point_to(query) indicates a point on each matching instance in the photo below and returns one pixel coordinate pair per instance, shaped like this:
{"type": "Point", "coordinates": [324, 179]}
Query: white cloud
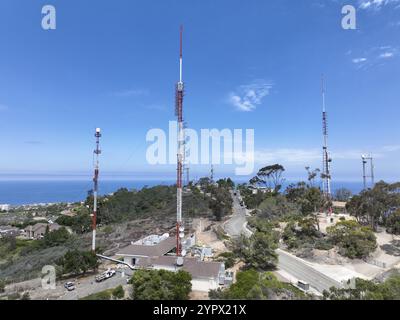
{"type": "Point", "coordinates": [392, 148]}
{"type": "Point", "coordinates": [375, 56]}
{"type": "Point", "coordinates": [313, 156]}
{"type": "Point", "coordinates": [386, 55]}
{"type": "Point", "coordinates": [287, 155]}
{"type": "Point", "coordinates": [131, 93]}
{"type": "Point", "coordinates": [247, 97]}
{"type": "Point", "coordinates": [359, 60]}
{"type": "Point", "coordinates": [376, 4]}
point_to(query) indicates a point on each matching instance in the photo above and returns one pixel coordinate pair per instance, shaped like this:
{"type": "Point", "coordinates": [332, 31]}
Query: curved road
{"type": "Point", "coordinates": [236, 225]}
{"type": "Point", "coordinates": [294, 266]}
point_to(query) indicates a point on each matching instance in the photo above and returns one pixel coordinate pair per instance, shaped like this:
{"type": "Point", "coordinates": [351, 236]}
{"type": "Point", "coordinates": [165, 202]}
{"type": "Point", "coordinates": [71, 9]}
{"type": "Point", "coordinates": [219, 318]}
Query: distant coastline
{"type": "Point", "coordinates": [25, 192]}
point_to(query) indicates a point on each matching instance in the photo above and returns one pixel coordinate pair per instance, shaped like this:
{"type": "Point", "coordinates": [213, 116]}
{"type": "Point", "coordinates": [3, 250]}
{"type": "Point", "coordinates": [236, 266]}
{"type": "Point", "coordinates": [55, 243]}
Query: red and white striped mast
{"type": "Point", "coordinates": [97, 152]}
{"type": "Point", "coordinates": [179, 93]}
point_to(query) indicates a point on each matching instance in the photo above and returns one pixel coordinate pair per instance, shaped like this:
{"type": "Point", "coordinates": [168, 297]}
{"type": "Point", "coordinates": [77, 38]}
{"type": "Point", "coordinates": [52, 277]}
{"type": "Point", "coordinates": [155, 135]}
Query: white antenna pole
{"type": "Point", "coordinates": [97, 152]}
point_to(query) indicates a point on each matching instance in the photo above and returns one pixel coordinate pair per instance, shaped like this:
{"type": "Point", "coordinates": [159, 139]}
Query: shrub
{"type": "Point", "coordinates": [103, 295]}
{"type": "Point", "coordinates": [118, 292]}
{"type": "Point", "coordinates": [2, 286]}
{"type": "Point", "coordinates": [353, 240]}
{"type": "Point", "coordinates": [161, 285]}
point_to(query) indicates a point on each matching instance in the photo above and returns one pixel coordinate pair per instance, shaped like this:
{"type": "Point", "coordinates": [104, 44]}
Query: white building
{"type": "Point", "coordinates": [4, 207]}
{"type": "Point", "coordinates": [160, 256]}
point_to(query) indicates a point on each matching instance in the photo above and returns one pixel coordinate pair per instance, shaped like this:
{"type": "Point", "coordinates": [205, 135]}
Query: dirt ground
{"type": "Point", "coordinates": [197, 295]}
{"type": "Point", "coordinates": [206, 236]}
{"type": "Point", "coordinates": [385, 257]}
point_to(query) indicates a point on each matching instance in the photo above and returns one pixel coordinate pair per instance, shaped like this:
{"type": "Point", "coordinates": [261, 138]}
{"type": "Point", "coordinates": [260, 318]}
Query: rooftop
{"type": "Point", "coordinates": [197, 268]}
{"type": "Point", "coordinates": [159, 249]}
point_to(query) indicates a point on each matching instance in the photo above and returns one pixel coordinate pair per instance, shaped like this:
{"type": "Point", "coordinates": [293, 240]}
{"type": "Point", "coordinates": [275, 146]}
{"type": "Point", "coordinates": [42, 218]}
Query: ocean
{"type": "Point", "coordinates": [19, 192]}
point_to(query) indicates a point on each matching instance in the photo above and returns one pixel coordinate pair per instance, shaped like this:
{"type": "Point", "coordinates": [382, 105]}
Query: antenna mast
{"type": "Point", "coordinates": [365, 159]}
{"type": "Point", "coordinates": [97, 152]}
{"type": "Point", "coordinates": [326, 172]}
{"type": "Point", "coordinates": [179, 93]}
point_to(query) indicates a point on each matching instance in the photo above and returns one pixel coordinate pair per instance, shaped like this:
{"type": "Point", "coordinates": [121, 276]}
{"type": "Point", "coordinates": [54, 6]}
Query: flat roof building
{"type": "Point", "coordinates": [161, 256]}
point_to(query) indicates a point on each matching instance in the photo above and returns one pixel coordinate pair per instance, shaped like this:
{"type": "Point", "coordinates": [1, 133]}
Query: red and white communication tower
{"type": "Point", "coordinates": [97, 152]}
{"type": "Point", "coordinates": [179, 93]}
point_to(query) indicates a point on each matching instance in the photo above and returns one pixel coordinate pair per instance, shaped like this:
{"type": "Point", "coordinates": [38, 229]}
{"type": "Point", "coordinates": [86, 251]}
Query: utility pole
{"type": "Point", "coordinates": [97, 152]}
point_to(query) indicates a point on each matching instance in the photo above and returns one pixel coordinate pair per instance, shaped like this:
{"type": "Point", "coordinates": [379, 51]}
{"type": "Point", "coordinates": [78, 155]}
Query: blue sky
{"type": "Point", "coordinates": [113, 64]}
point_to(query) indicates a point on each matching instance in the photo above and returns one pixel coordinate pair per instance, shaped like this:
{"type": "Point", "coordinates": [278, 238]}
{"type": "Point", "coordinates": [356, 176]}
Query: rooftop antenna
{"type": "Point", "coordinates": [97, 152]}
{"type": "Point", "coordinates": [179, 93]}
{"type": "Point", "coordinates": [326, 172]}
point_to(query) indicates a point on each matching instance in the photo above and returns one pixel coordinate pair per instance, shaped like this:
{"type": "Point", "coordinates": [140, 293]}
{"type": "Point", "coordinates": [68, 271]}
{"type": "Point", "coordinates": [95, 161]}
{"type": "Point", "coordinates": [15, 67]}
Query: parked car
{"type": "Point", "coordinates": [105, 275]}
{"type": "Point", "coordinates": [70, 286]}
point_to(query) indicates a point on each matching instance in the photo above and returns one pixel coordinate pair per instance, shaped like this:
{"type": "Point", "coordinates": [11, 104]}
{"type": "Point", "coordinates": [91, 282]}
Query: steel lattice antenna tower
{"type": "Point", "coordinates": [326, 172]}
{"type": "Point", "coordinates": [185, 169]}
{"type": "Point", "coordinates": [365, 159]}
{"type": "Point", "coordinates": [179, 93]}
{"type": "Point", "coordinates": [97, 152]}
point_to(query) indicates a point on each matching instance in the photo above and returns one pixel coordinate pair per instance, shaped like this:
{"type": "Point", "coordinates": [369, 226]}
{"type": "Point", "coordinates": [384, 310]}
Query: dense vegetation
{"type": "Point", "coordinates": [161, 285]}
{"type": "Point", "coordinates": [77, 262]}
{"type": "Point", "coordinates": [378, 206]}
{"type": "Point", "coordinates": [352, 239]}
{"type": "Point", "coordinates": [252, 285]}
{"type": "Point", "coordinates": [258, 251]}
{"type": "Point", "coordinates": [303, 234]}
{"type": "Point", "coordinates": [160, 202]}
{"type": "Point", "coordinates": [116, 293]}
{"type": "Point", "coordinates": [368, 290]}
{"type": "Point", "coordinates": [297, 209]}
{"type": "Point", "coordinates": [81, 223]}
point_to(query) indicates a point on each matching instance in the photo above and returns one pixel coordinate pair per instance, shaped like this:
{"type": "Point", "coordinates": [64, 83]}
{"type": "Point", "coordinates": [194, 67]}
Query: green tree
{"type": "Point", "coordinates": [312, 174]}
{"type": "Point", "coordinates": [343, 194]}
{"type": "Point", "coordinates": [393, 222]}
{"type": "Point", "coordinates": [252, 285]}
{"type": "Point", "coordinates": [373, 205]}
{"type": "Point", "coordinates": [2, 285]}
{"type": "Point", "coordinates": [56, 237]}
{"type": "Point", "coordinates": [78, 262]}
{"type": "Point", "coordinates": [353, 240]}
{"type": "Point", "coordinates": [271, 177]}
{"type": "Point", "coordinates": [258, 251]}
{"type": "Point", "coordinates": [367, 290]}
{"type": "Point", "coordinates": [161, 285]}
{"type": "Point", "coordinates": [221, 202]}
{"type": "Point", "coordinates": [118, 292]}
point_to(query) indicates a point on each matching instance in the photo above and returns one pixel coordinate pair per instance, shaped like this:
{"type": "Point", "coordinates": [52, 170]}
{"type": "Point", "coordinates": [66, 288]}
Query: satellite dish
{"type": "Point", "coordinates": [181, 235]}
{"type": "Point", "coordinates": [181, 229]}
{"type": "Point", "coordinates": [179, 261]}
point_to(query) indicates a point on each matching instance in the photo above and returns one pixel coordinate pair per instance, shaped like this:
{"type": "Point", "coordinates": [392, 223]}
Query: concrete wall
{"type": "Point", "coordinates": [204, 285]}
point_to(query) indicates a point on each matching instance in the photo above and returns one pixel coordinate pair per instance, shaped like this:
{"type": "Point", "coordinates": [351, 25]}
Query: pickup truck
{"type": "Point", "coordinates": [70, 286]}
{"type": "Point", "coordinates": [105, 275]}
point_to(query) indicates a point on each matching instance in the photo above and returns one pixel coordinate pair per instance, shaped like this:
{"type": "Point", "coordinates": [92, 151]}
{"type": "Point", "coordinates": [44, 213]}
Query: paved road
{"type": "Point", "coordinates": [89, 286]}
{"type": "Point", "coordinates": [302, 271]}
{"type": "Point", "coordinates": [235, 226]}
{"type": "Point", "coordinates": [296, 267]}
{"type": "Point", "coordinates": [84, 287]}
